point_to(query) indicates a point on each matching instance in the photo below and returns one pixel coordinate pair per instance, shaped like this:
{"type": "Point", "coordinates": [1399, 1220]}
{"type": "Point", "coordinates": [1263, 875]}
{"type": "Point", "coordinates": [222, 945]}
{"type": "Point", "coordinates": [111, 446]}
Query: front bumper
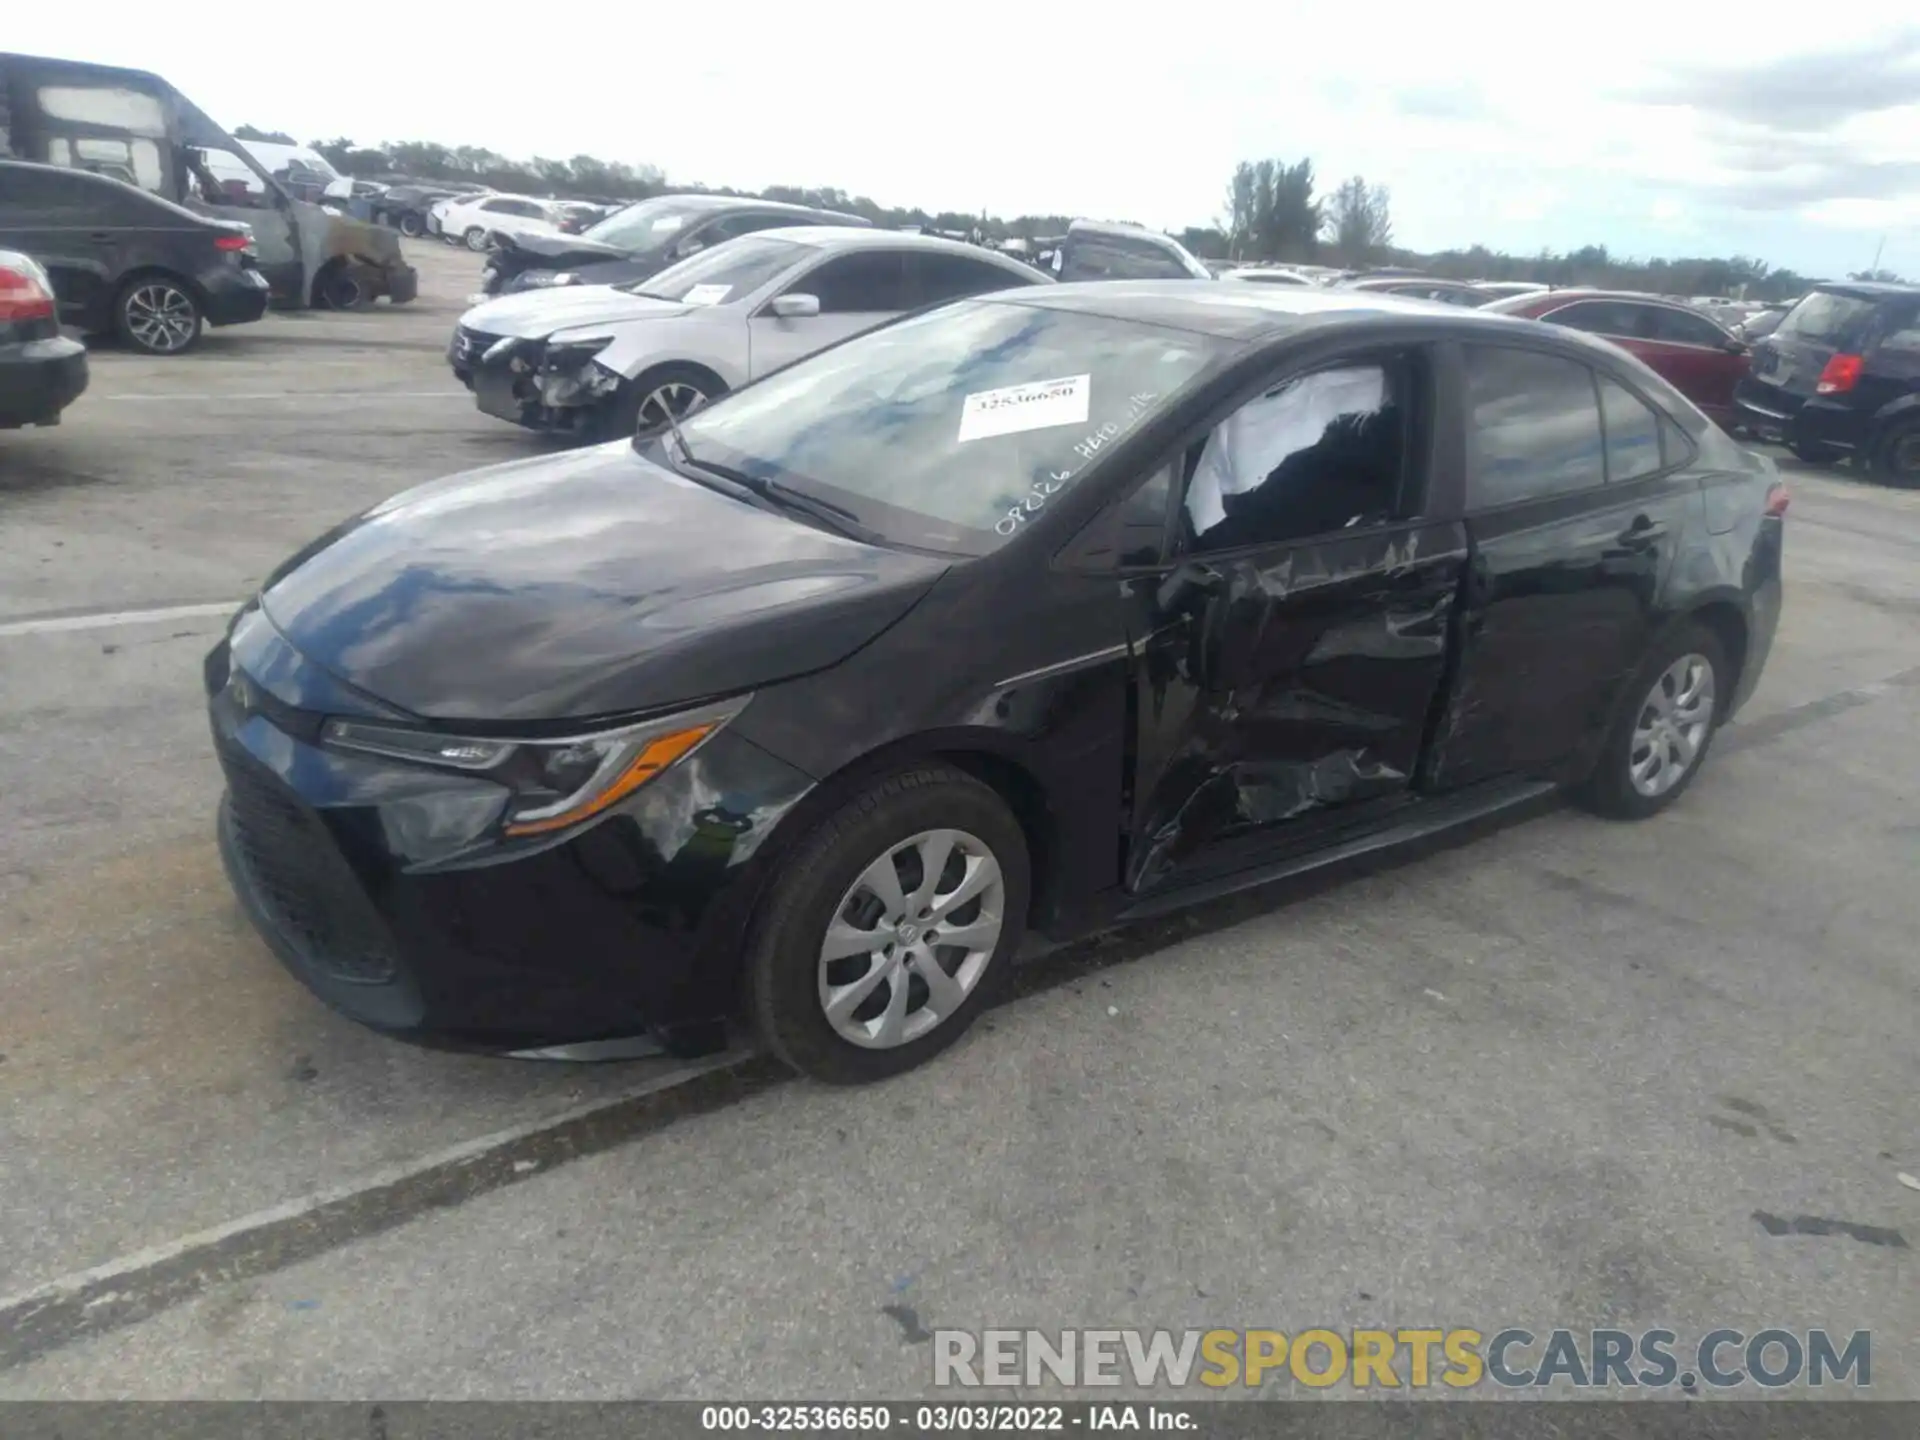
{"type": "Point", "coordinates": [384, 888]}
{"type": "Point", "coordinates": [530, 385]}
{"type": "Point", "coordinates": [39, 379]}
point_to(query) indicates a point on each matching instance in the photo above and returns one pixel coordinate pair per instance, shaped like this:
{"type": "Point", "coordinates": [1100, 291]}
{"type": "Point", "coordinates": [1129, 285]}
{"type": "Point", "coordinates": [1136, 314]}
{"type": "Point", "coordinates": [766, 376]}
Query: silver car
{"type": "Point", "coordinates": [606, 361]}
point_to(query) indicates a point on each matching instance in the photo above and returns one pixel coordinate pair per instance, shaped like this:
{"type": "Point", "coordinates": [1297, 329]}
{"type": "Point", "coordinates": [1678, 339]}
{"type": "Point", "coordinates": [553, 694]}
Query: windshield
{"type": "Point", "coordinates": [952, 430]}
{"type": "Point", "coordinates": [726, 272]}
{"type": "Point", "coordinates": [647, 225]}
{"type": "Point", "coordinates": [1826, 319]}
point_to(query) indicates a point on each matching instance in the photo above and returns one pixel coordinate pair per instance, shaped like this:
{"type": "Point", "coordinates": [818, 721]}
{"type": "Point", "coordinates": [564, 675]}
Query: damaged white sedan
{"type": "Point", "coordinates": [606, 361]}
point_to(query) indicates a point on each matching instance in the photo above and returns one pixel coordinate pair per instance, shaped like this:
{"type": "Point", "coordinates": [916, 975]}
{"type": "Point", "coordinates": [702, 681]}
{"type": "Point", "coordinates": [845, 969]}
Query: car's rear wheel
{"type": "Point", "coordinates": [1660, 738]}
{"type": "Point", "coordinates": [158, 316]}
{"type": "Point", "coordinates": [476, 237]}
{"type": "Point", "coordinates": [411, 226]}
{"type": "Point", "coordinates": [1896, 459]}
{"type": "Point", "coordinates": [891, 928]}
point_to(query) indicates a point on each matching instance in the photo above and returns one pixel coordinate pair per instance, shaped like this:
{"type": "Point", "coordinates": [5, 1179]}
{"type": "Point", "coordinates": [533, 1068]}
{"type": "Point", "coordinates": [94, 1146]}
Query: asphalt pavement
{"type": "Point", "coordinates": [1547, 1078]}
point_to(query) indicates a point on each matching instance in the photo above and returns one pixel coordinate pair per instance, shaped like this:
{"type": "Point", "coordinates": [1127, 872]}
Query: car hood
{"type": "Point", "coordinates": [570, 587]}
{"type": "Point", "coordinates": [560, 251]}
{"type": "Point", "coordinates": [535, 314]}
{"type": "Point", "coordinates": [607, 272]}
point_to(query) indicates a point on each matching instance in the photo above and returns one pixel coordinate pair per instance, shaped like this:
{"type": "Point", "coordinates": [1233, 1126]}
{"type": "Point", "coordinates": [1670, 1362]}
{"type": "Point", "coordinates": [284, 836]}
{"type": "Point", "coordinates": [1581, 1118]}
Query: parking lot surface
{"type": "Point", "coordinates": [1548, 1078]}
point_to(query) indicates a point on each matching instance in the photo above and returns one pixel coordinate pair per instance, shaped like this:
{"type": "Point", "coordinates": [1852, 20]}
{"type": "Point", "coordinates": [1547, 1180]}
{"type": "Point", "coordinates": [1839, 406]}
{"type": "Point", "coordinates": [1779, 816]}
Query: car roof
{"type": "Point", "coordinates": [848, 237]}
{"type": "Point", "coordinates": [713, 204]}
{"type": "Point", "coordinates": [1868, 289]}
{"type": "Point", "coordinates": [1233, 311]}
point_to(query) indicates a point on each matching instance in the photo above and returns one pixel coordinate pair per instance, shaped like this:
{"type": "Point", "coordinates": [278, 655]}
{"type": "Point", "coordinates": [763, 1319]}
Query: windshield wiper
{"type": "Point", "coordinates": [834, 517]}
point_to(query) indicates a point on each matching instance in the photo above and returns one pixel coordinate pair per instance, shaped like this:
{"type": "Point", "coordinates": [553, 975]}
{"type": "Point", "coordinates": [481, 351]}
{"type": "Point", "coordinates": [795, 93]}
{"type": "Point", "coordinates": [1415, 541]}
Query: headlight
{"type": "Point", "coordinates": [540, 279]}
{"type": "Point", "coordinates": [556, 783]}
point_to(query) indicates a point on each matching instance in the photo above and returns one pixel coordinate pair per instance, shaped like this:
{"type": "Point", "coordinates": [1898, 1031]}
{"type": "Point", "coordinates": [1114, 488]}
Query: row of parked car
{"type": "Point", "coordinates": [677, 300]}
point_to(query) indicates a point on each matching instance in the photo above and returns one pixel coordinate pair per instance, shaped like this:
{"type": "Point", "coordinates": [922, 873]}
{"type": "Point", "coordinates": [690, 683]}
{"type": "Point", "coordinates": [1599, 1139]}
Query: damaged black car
{"type": "Point", "coordinates": [639, 241]}
{"type": "Point", "coordinates": [1043, 611]}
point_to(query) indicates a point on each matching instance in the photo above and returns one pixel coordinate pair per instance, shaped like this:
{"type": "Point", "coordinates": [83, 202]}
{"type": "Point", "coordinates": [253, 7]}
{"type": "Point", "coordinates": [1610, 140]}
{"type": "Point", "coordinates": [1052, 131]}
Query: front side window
{"type": "Point", "coordinates": [863, 282]}
{"type": "Point", "coordinates": [1317, 454]}
{"type": "Point", "coordinates": [955, 429]}
{"type": "Point", "coordinates": [1602, 317]}
{"type": "Point", "coordinates": [1677, 327]}
{"type": "Point", "coordinates": [1633, 433]}
{"type": "Point", "coordinates": [726, 272]}
{"type": "Point", "coordinates": [1533, 426]}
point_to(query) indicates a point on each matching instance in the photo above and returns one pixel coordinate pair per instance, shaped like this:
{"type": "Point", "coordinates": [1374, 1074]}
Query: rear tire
{"type": "Point", "coordinates": [848, 1012]}
{"type": "Point", "coordinates": [476, 238]}
{"type": "Point", "coordinates": [1896, 458]}
{"type": "Point", "coordinates": [1661, 736]}
{"type": "Point", "coordinates": [411, 226]}
{"type": "Point", "coordinates": [158, 315]}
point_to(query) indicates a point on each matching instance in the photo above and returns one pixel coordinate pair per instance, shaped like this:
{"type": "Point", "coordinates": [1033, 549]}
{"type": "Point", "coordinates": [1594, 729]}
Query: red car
{"type": "Point", "coordinates": [1694, 355]}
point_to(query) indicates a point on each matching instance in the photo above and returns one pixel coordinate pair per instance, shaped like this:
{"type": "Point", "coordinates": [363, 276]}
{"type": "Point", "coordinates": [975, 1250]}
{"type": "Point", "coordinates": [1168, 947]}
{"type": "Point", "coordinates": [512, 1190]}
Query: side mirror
{"type": "Point", "coordinates": [794, 307]}
{"type": "Point", "coordinates": [1736, 346]}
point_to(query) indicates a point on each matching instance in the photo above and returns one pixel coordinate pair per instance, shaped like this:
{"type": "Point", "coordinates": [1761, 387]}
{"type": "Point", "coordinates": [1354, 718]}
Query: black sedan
{"type": "Point", "coordinates": [1040, 611]}
{"type": "Point", "coordinates": [41, 372]}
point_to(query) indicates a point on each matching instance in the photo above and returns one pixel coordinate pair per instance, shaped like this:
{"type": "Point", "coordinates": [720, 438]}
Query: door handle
{"type": "Point", "coordinates": [101, 237]}
{"type": "Point", "coordinates": [1638, 536]}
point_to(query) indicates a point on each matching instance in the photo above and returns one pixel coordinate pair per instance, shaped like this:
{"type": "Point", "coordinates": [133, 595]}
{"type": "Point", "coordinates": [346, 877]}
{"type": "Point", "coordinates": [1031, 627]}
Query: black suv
{"type": "Point", "coordinates": [125, 261]}
{"type": "Point", "coordinates": [1841, 376]}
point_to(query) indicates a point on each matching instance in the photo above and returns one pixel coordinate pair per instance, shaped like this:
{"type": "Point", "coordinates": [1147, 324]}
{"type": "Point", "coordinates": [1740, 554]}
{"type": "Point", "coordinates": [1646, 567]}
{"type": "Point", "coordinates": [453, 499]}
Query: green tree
{"type": "Point", "coordinates": [1359, 223]}
{"type": "Point", "coordinates": [271, 137]}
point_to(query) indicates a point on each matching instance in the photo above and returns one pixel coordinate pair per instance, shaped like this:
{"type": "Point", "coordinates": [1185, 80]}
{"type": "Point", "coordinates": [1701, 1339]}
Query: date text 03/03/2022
{"type": "Point", "coordinates": [996, 1418]}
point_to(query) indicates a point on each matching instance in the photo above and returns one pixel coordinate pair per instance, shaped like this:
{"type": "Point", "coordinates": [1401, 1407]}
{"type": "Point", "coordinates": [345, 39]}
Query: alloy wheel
{"type": "Point", "coordinates": [677, 398]}
{"type": "Point", "coordinates": [161, 318]}
{"type": "Point", "coordinates": [911, 939]}
{"type": "Point", "coordinates": [1672, 726]}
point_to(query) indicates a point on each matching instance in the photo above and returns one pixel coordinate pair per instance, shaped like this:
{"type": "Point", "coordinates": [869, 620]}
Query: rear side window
{"type": "Point", "coordinates": [1828, 319]}
{"type": "Point", "coordinates": [1605, 317]}
{"type": "Point", "coordinates": [1633, 433]}
{"type": "Point", "coordinates": [1533, 426]}
{"type": "Point", "coordinates": [45, 195]}
{"type": "Point", "coordinates": [934, 279]}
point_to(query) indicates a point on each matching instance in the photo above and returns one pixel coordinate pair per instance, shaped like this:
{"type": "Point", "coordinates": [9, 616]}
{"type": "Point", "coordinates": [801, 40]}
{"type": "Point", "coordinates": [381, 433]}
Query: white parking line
{"type": "Point", "coordinates": [55, 624]}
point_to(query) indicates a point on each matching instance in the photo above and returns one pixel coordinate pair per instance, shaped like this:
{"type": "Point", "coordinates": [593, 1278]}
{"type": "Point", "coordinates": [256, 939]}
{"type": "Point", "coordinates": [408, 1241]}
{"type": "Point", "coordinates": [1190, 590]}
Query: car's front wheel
{"type": "Point", "coordinates": [411, 225]}
{"type": "Point", "coordinates": [891, 927]}
{"type": "Point", "coordinates": [1660, 738]}
{"type": "Point", "coordinates": [644, 403]}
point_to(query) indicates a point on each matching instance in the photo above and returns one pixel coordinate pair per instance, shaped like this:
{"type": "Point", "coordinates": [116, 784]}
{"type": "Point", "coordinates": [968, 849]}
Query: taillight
{"type": "Point", "coordinates": [23, 296]}
{"type": "Point", "coordinates": [1841, 372]}
{"type": "Point", "coordinates": [1777, 499]}
{"type": "Point", "coordinates": [232, 242]}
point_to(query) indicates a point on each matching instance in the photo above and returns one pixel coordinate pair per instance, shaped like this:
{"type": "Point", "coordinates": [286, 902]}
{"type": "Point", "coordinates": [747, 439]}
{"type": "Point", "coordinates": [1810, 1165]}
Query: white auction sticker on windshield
{"type": "Point", "coordinates": [1037, 405]}
{"type": "Point", "coordinates": [707, 294]}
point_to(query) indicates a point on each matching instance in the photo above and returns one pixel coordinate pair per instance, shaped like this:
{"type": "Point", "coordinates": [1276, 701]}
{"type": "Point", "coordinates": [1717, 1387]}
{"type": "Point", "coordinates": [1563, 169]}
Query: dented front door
{"type": "Point", "coordinates": [1284, 688]}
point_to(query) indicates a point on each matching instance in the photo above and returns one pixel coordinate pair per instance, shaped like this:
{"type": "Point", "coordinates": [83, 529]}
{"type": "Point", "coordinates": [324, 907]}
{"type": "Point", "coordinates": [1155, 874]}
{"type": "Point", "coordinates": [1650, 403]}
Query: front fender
{"type": "Point", "coordinates": [640, 345]}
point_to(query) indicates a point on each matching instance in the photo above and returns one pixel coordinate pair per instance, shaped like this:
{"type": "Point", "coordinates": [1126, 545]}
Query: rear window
{"type": "Point", "coordinates": [1828, 319]}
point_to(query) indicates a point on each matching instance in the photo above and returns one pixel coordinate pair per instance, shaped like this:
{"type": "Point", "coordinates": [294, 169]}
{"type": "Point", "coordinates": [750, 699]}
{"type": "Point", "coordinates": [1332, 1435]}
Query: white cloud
{"type": "Point", "coordinates": [1485, 123]}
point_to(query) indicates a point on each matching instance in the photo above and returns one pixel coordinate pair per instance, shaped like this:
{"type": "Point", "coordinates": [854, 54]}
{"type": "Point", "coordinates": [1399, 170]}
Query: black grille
{"type": "Point", "coordinates": [301, 880]}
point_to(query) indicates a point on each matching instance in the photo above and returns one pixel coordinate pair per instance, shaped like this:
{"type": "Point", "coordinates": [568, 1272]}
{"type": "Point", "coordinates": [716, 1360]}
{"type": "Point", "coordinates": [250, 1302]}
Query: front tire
{"type": "Point", "coordinates": [641, 406]}
{"type": "Point", "coordinates": [158, 316]}
{"type": "Point", "coordinates": [891, 927]}
{"type": "Point", "coordinates": [411, 225]}
{"type": "Point", "coordinates": [1660, 739]}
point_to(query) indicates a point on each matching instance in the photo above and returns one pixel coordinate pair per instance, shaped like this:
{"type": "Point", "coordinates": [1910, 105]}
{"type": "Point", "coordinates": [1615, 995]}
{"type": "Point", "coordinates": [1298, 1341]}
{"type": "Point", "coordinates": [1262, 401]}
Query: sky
{"type": "Point", "coordinates": [1654, 129]}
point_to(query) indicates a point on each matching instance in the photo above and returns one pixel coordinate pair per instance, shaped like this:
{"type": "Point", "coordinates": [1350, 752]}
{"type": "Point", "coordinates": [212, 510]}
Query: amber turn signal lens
{"type": "Point", "coordinates": [655, 756]}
